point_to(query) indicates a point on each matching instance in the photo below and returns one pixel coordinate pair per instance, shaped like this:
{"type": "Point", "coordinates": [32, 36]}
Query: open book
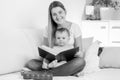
{"type": "Point", "coordinates": [49, 53]}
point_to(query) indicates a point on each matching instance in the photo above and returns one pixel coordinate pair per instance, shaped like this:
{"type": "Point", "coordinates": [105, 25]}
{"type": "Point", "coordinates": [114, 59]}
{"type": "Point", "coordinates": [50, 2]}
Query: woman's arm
{"type": "Point", "coordinates": [78, 43]}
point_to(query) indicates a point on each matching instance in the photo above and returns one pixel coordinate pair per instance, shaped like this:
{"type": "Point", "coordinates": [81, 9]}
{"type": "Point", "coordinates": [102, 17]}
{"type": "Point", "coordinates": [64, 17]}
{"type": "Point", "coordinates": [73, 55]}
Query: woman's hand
{"type": "Point", "coordinates": [45, 65]}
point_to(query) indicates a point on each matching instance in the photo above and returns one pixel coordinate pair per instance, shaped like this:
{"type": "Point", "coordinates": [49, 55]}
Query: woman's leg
{"type": "Point", "coordinates": [34, 65]}
{"type": "Point", "coordinates": [69, 68]}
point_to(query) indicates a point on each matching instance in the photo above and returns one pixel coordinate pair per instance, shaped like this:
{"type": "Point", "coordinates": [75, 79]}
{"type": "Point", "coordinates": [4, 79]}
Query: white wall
{"type": "Point", "coordinates": [34, 13]}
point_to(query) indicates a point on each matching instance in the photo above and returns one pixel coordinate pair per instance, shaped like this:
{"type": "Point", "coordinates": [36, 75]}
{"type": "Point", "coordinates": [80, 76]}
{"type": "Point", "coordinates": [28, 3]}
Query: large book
{"type": "Point", "coordinates": [51, 55]}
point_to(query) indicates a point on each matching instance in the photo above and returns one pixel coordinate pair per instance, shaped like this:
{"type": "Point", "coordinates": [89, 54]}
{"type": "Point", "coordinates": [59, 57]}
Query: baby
{"type": "Point", "coordinates": [62, 36]}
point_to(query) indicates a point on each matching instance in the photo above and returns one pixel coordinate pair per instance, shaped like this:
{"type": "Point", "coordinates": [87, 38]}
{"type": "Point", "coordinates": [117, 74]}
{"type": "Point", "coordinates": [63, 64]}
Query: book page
{"type": "Point", "coordinates": [48, 49]}
{"type": "Point", "coordinates": [56, 50]}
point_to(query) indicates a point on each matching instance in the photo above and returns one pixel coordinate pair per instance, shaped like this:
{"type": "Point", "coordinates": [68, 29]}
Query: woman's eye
{"type": "Point", "coordinates": [60, 12]}
{"type": "Point", "coordinates": [54, 14]}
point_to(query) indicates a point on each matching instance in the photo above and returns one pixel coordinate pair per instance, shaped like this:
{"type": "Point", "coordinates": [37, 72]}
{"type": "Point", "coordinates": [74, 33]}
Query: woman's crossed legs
{"type": "Point", "coordinates": [67, 69]}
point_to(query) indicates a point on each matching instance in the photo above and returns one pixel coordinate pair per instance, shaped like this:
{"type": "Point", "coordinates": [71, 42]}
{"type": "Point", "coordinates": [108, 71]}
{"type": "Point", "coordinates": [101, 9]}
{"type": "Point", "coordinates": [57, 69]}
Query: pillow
{"type": "Point", "coordinates": [110, 57]}
{"type": "Point", "coordinates": [92, 59]}
{"type": "Point", "coordinates": [86, 42]}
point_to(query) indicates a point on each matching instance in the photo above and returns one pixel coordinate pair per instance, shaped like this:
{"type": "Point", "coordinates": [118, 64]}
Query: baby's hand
{"type": "Point", "coordinates": [60, 63]}
{"type": "Point", "coordinates": [52, 64]}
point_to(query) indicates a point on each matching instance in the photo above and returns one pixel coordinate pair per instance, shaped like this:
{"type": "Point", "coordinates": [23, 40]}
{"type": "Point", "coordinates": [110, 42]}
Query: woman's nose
{"type": "Point", "coordinates": [58, 16]}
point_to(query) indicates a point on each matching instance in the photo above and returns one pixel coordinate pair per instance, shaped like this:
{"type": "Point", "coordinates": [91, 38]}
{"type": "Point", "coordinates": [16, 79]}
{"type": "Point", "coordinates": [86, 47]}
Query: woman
{"type": "Point", "coordinates": [57, 19]}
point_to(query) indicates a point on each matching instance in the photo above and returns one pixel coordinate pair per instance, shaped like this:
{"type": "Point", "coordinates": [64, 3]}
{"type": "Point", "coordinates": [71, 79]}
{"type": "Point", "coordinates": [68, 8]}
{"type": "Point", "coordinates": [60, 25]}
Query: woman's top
{"type": "Point", "coordinates": [74, 33]}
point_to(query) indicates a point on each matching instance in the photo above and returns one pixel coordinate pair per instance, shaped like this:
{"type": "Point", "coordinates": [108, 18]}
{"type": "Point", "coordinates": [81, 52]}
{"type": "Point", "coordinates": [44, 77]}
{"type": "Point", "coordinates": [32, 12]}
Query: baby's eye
{"type": "Point", "coordinates": [63, 37]}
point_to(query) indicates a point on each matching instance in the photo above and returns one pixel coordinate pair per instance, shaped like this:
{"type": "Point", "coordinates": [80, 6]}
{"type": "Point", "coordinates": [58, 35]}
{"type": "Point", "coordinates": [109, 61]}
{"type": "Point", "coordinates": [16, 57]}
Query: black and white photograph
{"type": "Point", "coordinates": [59, 39]}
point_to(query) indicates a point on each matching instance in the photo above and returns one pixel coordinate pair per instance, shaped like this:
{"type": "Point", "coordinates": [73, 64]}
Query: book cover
{"type": "Point", "coordinates": [49, 54]}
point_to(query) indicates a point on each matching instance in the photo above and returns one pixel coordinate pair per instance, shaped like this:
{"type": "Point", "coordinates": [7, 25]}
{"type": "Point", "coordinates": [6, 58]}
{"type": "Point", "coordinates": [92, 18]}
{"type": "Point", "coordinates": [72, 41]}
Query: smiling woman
{"type": "Point", "coordinates": [56, 20]}
{"type": "Point", "coordinates": [58, 15]}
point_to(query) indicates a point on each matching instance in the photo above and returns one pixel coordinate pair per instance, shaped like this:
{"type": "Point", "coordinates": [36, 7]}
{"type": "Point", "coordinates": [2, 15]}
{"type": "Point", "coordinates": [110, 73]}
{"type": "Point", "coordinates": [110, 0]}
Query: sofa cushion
{"type": "Point", "coordinates": [92, 59]}
{"type": "Point", "coordinates": [110, 57]}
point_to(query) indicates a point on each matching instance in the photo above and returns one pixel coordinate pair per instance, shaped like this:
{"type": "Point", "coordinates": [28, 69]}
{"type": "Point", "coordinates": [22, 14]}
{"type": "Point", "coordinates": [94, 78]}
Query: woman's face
{"type": "Point", "coordinates": [58, 15]}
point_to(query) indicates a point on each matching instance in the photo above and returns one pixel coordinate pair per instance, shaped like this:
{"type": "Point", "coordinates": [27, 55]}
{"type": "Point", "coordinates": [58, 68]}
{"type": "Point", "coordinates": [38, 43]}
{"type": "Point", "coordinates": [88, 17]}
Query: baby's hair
{"type": "Point", "coordinates": [62, 30]}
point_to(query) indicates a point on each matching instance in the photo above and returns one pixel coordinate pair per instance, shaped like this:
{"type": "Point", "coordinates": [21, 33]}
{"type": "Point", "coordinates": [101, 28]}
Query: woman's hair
{"type": "Point", "coordinates": [52, 26]}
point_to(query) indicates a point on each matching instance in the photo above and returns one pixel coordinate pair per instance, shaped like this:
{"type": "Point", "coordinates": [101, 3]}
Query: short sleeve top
{"type": "Point", "coordinates": [75, 32]}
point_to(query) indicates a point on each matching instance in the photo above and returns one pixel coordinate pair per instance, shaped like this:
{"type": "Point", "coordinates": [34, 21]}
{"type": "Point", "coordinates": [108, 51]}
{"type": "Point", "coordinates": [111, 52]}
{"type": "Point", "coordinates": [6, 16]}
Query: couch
{"type": "Point", "coordinates": [19, 45]}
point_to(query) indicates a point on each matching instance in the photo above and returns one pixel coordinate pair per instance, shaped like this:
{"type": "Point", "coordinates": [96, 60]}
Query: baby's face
{"type": "Point", "coordinates": [62, 38]}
